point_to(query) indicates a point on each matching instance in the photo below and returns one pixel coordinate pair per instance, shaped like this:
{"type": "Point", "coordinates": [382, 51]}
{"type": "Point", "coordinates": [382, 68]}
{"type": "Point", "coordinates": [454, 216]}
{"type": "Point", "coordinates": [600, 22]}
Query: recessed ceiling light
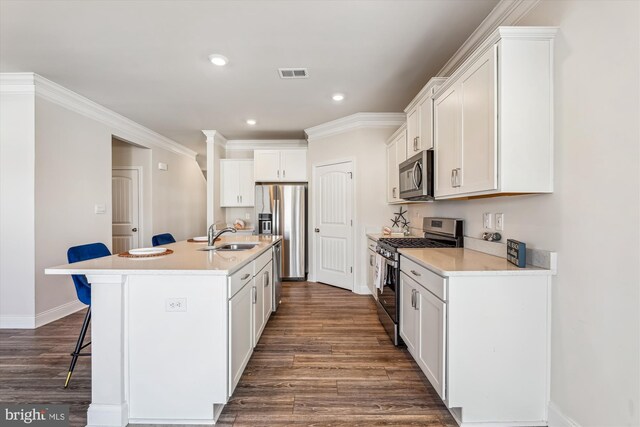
{"type": "Point", "coordinates": [338, 97]}
{"type": "Point", "coordinates": [251, 122]}
{"type": "Point", "coordinates": [218, 60]}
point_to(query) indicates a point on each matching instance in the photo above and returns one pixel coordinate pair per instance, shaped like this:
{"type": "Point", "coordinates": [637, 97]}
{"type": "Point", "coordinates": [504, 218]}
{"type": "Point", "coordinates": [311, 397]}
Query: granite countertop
{"type": "Point", "coordinates": [186, 259]}
{"type": "Point", "coordinates": [466, 262]}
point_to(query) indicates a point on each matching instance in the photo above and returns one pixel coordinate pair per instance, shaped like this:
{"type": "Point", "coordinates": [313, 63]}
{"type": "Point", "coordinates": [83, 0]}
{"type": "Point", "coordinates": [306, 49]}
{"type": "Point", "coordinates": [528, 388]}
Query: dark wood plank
{"type": "Point", "coordinates": [323, 360]}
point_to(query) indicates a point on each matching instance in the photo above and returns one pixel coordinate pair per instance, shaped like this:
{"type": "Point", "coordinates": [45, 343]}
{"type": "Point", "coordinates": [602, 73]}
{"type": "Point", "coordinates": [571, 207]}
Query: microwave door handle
{"type": "Point", "coordinates": [417, 175]}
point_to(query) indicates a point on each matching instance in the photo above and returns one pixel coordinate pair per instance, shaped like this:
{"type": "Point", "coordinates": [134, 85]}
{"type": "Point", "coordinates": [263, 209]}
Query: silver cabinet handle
{"type": "Point", "coordinates": [415, 273]}
{"type": "Point", "coordinates": [393, 192]}
{"type": "Point", "coordinates": [417, 142]}
{"type": "Point", "coordinates": [278, 173]}
{"type": "Point", "coordinates": [254, 295]}
{"type": "Point", "coordinates": [246, 276]}
{"type": "Point", "coordinates": [371, 260]}
{"type": "Point", "coordinates": [453, 182]}
{"type": "Point", "coordinates": [413, 298]}
{"type": "Point", "coordinates": [240, 199]}
{"type": "Point", "coordinates": [284, 173]}
{"type": "Point", "coordinates": [266, 273]}
{"type": "Point", "coordinates": [459, 177]}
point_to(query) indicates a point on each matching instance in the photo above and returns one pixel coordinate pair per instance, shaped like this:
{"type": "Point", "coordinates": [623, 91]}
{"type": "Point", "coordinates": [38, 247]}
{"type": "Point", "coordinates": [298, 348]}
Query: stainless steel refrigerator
{"type": "Point", "coordinates": [282, 209]}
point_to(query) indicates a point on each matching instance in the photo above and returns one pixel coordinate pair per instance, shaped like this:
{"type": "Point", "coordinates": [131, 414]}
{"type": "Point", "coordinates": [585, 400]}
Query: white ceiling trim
{"type": "Point", "coordinates": [215, 136]}
{"type": "Point", "coordinates": [355, 121]}
{"type": "Point", "coordinates": [506, 13]}
{"type": "Point", "coordinates": [265, 144]}
{"type": "Point", "coordinates": [122, 126]}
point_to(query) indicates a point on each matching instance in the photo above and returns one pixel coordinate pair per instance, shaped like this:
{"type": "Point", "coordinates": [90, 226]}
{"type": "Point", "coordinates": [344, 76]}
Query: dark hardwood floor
{"type": "Point", "coordinates": [323, 359]}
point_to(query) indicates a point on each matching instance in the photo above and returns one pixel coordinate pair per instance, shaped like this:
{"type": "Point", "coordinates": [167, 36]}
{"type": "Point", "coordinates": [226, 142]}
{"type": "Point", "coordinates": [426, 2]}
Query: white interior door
{"type": "Point", "coordinates": [125, 203]}
{"type": "Point", "coordinates": [333, 200]}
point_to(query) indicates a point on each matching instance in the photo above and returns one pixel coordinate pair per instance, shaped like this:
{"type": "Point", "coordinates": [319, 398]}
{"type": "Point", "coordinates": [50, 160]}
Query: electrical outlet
{"type": "Point", "coordinates": [487, 220]}
{"type": "Point", "coordinates": [175, 304]}
{"type": "Point", "coordinates": [499, 221]}
{"type": "Point", "coordinates": [247, 215]}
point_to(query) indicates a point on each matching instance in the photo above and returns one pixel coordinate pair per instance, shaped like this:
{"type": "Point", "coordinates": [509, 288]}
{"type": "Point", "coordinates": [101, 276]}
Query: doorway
{"type": "Point", "coordinates": [125, 204]}
{"type": "Point", "coordinates": [333, 224]}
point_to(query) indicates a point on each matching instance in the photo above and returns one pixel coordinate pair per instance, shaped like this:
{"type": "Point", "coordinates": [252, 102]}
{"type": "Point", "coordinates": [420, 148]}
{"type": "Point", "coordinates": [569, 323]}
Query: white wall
{"type": "Point", "coordinates": [367, 148]}
{"type": "Point", "coordinates": [17, 242]}
{"type": "Point", "coordinates": [56, 166]}
{"type": "Point", "coordinates": [592, 218]}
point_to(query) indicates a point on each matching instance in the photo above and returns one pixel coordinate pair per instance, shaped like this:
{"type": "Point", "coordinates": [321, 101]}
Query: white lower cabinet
{"type": "Point", "coordinates": [482, 341]}
{"type": "Point", "coordinates": [240, 333]}
{"type": "Point", "coordinates": [249, 310]}
{"type": "Point", "coordinates": [262, 300]}
{"type": "Point", "coordinates": [423, 329]}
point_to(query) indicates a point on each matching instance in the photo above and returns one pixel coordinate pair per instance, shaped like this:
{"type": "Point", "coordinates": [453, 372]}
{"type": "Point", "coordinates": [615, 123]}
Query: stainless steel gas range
{"type": "Point", "coordinates": [438, 233]}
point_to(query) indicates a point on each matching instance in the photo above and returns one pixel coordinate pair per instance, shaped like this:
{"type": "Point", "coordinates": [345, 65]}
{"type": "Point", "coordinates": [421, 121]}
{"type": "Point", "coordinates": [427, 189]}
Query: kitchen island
{"type": "Point", "coordinates": [171, 335]}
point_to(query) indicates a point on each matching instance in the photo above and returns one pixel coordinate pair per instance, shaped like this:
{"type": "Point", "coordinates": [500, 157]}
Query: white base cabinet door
{"type": "Point", "coordinates": [408, 314]}
{"type": "Point", "coordinates": [240, 333]}
{"type": "Point", "coordinates": [431, 341]}
{"type": "Point", "coordinates": [264, 300]}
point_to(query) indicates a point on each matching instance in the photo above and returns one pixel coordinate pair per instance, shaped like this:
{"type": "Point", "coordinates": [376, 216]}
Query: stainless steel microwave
{"type": "Point", "coordinates": [416, 177]}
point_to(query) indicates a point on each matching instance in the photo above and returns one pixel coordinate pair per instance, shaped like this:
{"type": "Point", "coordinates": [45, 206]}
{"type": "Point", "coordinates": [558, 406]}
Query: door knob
{"type": "Point", "coordinates": [317, 230]}
{"type": "Point", "coordinates": [135, 230]}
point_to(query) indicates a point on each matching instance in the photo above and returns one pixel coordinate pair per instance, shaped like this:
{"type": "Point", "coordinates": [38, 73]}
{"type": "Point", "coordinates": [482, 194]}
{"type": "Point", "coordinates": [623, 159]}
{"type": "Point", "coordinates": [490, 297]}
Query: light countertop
{"type": "Point", "coordinates": [466, 262]}
{"type": "Point", "coordinates": [186, 259]}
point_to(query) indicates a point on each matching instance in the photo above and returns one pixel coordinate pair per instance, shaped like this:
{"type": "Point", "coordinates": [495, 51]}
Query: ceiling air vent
{"type": "Point", "coordinates": [293, 73]}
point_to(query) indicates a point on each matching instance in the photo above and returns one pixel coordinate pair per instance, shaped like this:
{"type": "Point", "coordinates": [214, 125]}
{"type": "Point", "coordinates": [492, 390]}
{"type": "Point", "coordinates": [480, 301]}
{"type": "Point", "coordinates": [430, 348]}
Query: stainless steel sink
{"type": "Point", "coordinates": [230, 247]}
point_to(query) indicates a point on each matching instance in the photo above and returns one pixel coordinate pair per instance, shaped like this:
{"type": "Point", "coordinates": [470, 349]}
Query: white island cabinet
{"type": "Point", "coordinates": [478, 327]}
{"type": "Point", "coordinates": [171, 335]}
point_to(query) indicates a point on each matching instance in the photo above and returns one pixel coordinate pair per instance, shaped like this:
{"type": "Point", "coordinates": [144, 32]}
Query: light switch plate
{"type": "Point", "coordinates": [175, 304]}
{"type": "Point", "coordinates": [499, 221]}
{"type": "Point", "coordinates": [100, 209]}
{"type": "Point", "coordinates": [163, 166]}
{"type": "Point", "coordinates": [487, 220]}
{"type": "Point", "coordinates": [247, 215]}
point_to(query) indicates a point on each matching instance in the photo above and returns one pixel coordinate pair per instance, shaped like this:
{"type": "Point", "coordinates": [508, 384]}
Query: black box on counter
{"type": "Point", "coordinates": [517, 253]}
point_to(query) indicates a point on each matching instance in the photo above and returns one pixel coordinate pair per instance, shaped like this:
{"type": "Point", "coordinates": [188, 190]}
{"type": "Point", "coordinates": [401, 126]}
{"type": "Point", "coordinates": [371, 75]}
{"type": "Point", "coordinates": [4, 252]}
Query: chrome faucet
{"type": "Point", "coordinates": [211, 237]}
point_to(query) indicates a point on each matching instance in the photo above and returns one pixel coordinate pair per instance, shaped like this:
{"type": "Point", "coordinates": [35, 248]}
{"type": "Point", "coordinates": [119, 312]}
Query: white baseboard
{"type": "Point", "coordinates": [361, 290]}
{"type": "Point", "coordinates": [58, 312]}
{"type": "Point", "coordinates": [17, 322]}
{"type": "Point", "coordinates": [558, 419]}
{"type": "Point", "coordinates": [108, 415]}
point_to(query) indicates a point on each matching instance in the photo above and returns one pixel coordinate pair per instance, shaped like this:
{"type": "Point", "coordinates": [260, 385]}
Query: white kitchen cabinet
{"type": "Point", "coordinates": [481, 339]}
{"type": "Point", "coordinates": [493, 131]}
{"type": "Point", "coordinates": [420, 118]}
{"type": "Point", "coordinates": [240, 332]}
{"type": "Point", "coordinates": [236, 183]}
{"type": "Point", "coordinates": [371, 267]}
{"type": "Point", "coordinates": [280, 165]}
{"type": "Point", "coordinates": [262, 300]}
{"type": "Point", "coordinates": [431, 338]}
{"type": "Point", "coordinates": [423, 329]}
{"type": "Point", "coordinates": [396, 154]}
{"type": "Point", "coordinates": [409, 316]}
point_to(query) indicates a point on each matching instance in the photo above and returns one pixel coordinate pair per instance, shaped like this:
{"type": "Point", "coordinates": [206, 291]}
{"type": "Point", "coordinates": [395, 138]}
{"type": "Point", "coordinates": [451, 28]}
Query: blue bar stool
{"type": "Point", "coordinates": [162, 239]}
{"type": "Point", "coordinates": [83, 290]}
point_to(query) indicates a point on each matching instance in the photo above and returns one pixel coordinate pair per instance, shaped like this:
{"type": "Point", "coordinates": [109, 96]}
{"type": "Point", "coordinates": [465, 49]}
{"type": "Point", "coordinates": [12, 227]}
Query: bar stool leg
{"type": "Point", "coordinates": [79, 346]}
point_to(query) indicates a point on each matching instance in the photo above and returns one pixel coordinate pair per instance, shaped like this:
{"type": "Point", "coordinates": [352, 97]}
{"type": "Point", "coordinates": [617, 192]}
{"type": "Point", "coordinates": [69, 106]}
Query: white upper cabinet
{"type": "Point", "coordinates": [420, 118]}
{"type": "Point", "coordinates": [396, 154]}
{"type": "Point", "coordinates": [236, 183]}
{"type": "Point", "coordinates": [493, 130]}
{"type": "Point", "coordinates": [280, 165]}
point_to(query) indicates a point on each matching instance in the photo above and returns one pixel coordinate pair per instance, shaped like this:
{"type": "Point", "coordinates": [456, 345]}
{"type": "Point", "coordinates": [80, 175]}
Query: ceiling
{"type": "Point", "coordinates": [147, 60]}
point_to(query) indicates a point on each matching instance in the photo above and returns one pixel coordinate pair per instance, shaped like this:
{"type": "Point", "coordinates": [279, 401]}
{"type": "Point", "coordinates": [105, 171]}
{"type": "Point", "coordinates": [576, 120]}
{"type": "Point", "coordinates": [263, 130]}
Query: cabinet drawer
{"type": "Point", "coordinates": [426, 278]}
{"type": "Point", "coordinates": [262, 260]}
{"type": "Point", "coordinates": [240, 278]}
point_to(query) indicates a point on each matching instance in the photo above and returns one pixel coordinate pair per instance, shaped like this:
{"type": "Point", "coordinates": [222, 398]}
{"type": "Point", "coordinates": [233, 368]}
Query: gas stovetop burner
{"type": "Point", "coordinates": [416, 242]}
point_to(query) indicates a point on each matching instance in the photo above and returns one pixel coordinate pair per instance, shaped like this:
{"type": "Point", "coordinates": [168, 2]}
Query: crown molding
{"type": "Point", "coordinates": [215, 137]}
{"type": "Point", "coordinates": [121, 126]}
{"type": "Point", "coordinates": [353, 122]}
{"type": "Point", "coordinates": [265, 144]}
{"type": "Point", "coordinates": [427, 90]}
{"type": "Point", "coordinates": [529, 33]}
{"type": "Point", "coordinates": [507, 12]}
